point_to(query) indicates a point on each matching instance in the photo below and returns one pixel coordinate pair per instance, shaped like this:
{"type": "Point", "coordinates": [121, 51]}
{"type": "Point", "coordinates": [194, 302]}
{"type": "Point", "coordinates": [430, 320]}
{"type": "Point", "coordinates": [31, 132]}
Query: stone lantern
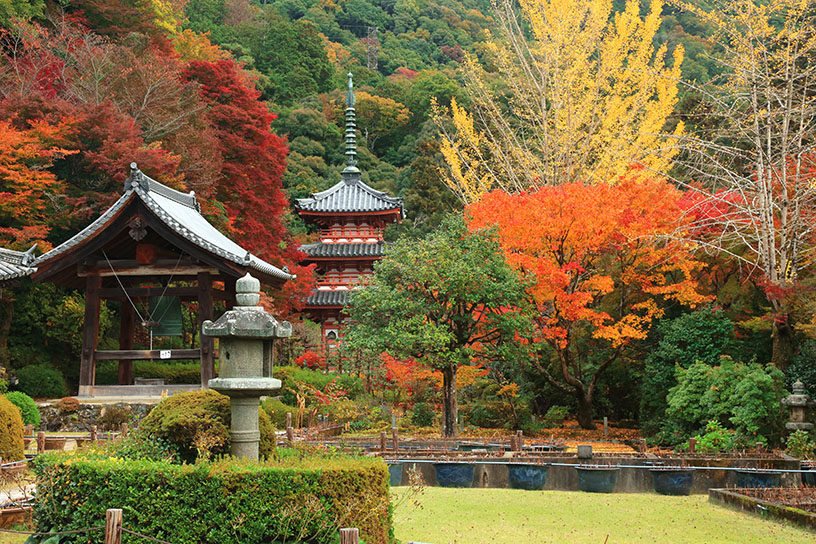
{"type": "Point", "coordinates": [246, 333]}
{"type": "Point", "coordinates": [799, 404]}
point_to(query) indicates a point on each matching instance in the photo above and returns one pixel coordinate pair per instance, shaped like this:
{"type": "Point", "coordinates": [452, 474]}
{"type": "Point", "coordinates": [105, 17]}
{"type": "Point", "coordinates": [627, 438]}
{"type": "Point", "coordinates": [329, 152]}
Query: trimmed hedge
{"type": "Point", "coordinates": [11, 431]}
{"type": "Point", "coordinates": [28, 408]}
{"type": "Point", "coordinates": [293, 500]}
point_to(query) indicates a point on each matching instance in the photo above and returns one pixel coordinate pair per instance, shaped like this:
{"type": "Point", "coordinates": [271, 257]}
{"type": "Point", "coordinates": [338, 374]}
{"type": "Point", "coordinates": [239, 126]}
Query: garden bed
{"type": "Point", "coordinates": [796, 505]}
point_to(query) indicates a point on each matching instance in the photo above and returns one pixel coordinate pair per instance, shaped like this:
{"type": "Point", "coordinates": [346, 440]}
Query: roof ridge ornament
{"type": "Point", "coordinates": [136, 179]}
{"type": "Point", "coordinates": [29, 257]}
{"type": "Point", "coordinates": [351, 174]}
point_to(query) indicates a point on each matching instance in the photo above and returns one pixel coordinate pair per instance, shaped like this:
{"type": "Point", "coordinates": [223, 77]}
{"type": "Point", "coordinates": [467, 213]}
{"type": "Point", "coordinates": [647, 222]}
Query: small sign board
{"type": "Point", "coordinates": [165, 354]}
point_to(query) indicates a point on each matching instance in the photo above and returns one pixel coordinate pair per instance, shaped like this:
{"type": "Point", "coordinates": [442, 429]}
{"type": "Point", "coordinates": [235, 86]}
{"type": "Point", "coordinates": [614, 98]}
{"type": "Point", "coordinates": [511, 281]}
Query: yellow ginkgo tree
{"type": "Point", "coordinates": [569, 91]}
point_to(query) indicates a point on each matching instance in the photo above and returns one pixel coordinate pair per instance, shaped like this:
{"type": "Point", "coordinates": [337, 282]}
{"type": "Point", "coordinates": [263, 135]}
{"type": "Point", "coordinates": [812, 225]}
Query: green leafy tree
{"type": "Point", "coordinates": [290, 54]}
{"type": "Point", "coordinates": [702, 335]}
{"type": "Point", "coordinates": [21, 9]}
{"type": "Point", "coordinates": [743, 397]}
{"type": "Point", "coordinates": [446, 300]}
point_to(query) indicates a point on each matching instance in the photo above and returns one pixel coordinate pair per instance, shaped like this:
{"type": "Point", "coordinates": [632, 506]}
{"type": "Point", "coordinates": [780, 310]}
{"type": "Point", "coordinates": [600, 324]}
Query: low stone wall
{"type": "Point", "coordinates": [629, 480]}
{"type": "Point", "coordinates": [762, 508]}
{"type": "Point", "coordinates": [101, 415]}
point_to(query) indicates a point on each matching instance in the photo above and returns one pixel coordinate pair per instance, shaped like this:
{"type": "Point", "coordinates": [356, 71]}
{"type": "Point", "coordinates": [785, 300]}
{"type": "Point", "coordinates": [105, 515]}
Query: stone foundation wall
{"type": "Point", "coordinates": [104, 416]}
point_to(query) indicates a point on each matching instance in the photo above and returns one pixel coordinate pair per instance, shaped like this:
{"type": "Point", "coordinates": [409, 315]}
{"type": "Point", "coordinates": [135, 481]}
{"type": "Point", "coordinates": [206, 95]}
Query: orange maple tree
{"type": "Point", "coordinates": [601, 259]}
{"type": "Point", "coordinates": [27, 189]}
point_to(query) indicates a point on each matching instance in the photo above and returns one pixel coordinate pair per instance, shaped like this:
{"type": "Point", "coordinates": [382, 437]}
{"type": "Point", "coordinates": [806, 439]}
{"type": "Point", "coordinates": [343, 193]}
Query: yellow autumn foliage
{"type": "Point", "coordinates": [584, 99]}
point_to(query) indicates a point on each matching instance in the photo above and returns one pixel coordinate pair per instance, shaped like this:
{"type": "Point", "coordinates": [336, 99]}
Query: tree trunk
{"type": "Point", "coordinates": [584, 410]}
{"type": "Point", "coordinates": [782, 334]}
{"type": "Point", "coordinates": [6, 315]}
{"type": "Point", "coordinates": [450, 403]}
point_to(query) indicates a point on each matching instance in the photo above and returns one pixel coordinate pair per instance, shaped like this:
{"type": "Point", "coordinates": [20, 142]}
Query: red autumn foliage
{"type": "Point", "coordinates": [253, 162]}
{"type": "Point", "coordinates": [310, 360]}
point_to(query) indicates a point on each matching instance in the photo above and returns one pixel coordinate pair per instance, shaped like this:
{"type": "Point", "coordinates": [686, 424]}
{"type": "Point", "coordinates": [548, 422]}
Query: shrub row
{"type": "Point", "coordinates": [293, 499]}
{"type": "Point", "coordinates": [172, 372]}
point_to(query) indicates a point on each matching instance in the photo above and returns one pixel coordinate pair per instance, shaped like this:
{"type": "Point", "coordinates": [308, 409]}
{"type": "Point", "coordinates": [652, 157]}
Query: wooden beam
{"type": "Point", "coordinates": [90, 331]}
{"type": "Point", "coordinates": [148, 270]}
{"type": "Point", "coordinates": [189, 293]}
{"type": "Point", "coordinates": [207, 343]}
{"type": "Point", "coordinates": [145, 354]}
{"type": "Point", "coordinates": [126, 330]}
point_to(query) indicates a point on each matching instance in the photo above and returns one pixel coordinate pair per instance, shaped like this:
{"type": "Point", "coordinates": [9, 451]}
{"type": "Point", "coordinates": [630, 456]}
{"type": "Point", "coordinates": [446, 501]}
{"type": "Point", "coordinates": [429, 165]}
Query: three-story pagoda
{"type": "Point", "coordinates": [351, 217]}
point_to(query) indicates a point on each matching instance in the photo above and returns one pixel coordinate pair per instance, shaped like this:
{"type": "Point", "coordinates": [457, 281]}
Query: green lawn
{"type": "Point", "coordinates": [481, 516]}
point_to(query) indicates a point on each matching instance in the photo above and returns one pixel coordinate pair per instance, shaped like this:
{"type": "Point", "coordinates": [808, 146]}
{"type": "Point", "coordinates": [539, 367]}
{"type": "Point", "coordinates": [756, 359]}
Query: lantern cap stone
{"type": "Point", "coordinates": [248, 291]}
{"type": "Point", "coordinates": [799, 397]}
{"type": "Point", "coordinates": [247, 319]}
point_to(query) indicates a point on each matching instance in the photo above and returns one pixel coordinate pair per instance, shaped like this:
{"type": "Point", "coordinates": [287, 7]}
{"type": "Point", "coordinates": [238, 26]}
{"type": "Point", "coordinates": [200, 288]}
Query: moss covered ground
{"type": "Point", "coordinates": [482, 516]}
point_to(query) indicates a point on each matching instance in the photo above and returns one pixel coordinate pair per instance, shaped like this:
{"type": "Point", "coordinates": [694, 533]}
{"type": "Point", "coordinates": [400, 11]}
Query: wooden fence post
{"type": "Point", "coordinates": [290, 432]}
{"type": "Point", "coordinates": [349, 536]}
{"type": "Point", "coordinates": [93, 433]}
{"type": "Point", "coordinates": [382, 441]}
{"type": "Point", "coordinates": [395, 439]}
{"type": "Point", "coordinates": [123, 432]}
{"type": "Point", "coordinates": [113, 526]}
{"type": "Point", "coordinates": [40, 442]}
{"type": "Point", "coordinates": [520, 440]}
{"type": "Point", "coordinates": [692, 444]}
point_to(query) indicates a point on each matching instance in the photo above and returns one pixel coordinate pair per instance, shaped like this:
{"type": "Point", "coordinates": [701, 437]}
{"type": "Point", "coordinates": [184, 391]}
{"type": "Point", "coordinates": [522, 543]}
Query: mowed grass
{"type": "Point", "coordinates": [510, 516]}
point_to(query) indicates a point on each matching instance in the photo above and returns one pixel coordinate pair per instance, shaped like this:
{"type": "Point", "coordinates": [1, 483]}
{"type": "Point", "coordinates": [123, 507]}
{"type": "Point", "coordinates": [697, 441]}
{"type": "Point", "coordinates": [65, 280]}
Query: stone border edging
{"type": "Point", "coordinates": [763, 508]}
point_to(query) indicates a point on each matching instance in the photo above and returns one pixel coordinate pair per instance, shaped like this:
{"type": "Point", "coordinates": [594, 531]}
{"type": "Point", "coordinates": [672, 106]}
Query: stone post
{"type": "Point", "coordinates": [245, 372]}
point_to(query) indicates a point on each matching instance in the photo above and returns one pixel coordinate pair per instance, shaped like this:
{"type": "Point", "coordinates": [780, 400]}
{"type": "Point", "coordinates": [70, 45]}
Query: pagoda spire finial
{"type": "Point", "coordinates": [351, 172]}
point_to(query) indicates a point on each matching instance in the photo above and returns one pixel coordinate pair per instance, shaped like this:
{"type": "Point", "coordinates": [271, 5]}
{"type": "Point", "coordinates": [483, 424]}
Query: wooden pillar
{"type": "Point", "coordinates": [205, 312]}
{"type": "Point", "coordinates": [126, 331]}
{"type": "Point", "coordinates": [229, 291]}
{"type": "Point", "coordinates": [90, 335]}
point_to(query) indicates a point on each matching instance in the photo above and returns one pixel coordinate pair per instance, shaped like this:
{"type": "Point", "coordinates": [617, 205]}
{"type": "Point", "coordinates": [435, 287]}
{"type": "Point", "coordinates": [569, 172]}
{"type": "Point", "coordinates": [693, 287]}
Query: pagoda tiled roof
{"type": "Point", "coordinates": [327, 298]}
{"type": "Point", "coordinates": [341, 249]}
{"type": "Point", "coordinates": [181, 213]}
{"type": "Point", "coordinates": [16, 264]}
{"type": "Point", "coordinates": [351, 195]}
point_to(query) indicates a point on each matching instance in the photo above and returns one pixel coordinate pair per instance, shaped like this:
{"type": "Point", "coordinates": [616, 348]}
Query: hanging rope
{"type": "Point", "coordinates": [145, 322]}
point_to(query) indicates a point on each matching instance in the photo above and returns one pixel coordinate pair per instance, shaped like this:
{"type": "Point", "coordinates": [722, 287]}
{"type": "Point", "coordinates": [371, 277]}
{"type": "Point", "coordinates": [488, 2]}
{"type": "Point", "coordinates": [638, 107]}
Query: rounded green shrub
{"type": "Point", "coordinates": [194, 422]}
{"type": "Point", "coordinates": [268, 442]}
{"type": "Point", "coordinates": [276, 410]}
{"type": "Point", "coordinates": [41, 382]}
{"type": "Point", "coordinates": [11, 431]}
{"type": "Point", "coordinates": [28, 408]}
{"type": "Point", "coordinates": [197, 424]}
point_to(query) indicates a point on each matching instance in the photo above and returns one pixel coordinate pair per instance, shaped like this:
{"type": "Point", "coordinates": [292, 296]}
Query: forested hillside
{"type": "Point", "coordinates": [189, 89]}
